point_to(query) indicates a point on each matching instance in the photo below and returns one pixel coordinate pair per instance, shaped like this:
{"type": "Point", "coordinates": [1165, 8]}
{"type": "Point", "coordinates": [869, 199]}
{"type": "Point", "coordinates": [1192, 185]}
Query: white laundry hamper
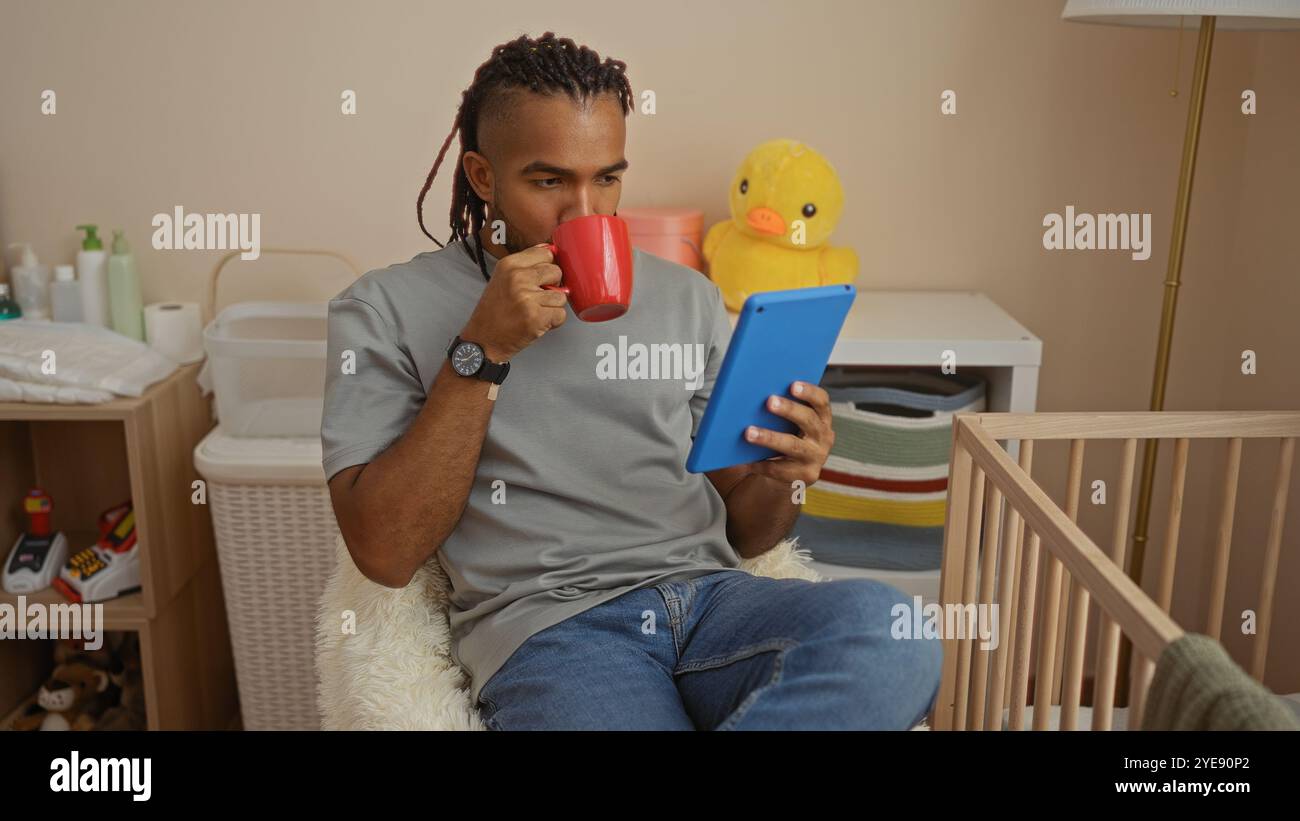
{"type": "Point", "coordinates": [271, 512]}
{"type": "Point", "coordinates": [276, 535]}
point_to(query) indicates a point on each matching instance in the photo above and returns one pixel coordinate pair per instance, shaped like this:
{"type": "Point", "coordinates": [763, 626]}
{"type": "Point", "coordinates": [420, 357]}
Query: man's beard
{"type": "Point", "coordinates": [514, 241]}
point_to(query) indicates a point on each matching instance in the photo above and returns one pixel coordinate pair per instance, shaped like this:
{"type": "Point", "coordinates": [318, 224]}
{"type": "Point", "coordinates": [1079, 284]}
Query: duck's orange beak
{"type": "Point", "coordinates": [765, 221]}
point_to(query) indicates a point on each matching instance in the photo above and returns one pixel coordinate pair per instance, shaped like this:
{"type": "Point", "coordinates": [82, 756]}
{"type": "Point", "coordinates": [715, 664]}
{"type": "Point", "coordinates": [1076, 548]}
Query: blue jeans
{"type": "Point", "coordinates": [722, 651]}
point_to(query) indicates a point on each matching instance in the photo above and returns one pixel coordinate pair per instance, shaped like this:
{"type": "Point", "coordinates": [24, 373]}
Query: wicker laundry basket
{"type": "Point", "coordinates": [276, 534]}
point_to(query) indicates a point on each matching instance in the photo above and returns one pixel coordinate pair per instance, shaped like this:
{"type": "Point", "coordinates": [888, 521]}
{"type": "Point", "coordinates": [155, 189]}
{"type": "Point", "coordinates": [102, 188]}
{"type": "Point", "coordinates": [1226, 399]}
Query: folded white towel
{"type": "Point", "coordinates": [74, 362]}
{"type": "Point", "coordinates": [12, 390]}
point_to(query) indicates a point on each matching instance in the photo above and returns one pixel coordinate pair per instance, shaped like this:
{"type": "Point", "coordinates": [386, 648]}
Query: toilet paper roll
{"type": "Point", "coordinates": [174, 330]}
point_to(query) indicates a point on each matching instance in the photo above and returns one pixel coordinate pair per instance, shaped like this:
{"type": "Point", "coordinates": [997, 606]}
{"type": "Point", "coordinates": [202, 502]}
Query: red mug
{"type": "Point", "coordinates": [595, 257]}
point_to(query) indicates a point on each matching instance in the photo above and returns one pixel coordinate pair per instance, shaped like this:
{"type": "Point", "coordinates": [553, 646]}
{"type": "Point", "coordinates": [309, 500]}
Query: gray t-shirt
{"type": "Point", "coordinates": [581, 492]}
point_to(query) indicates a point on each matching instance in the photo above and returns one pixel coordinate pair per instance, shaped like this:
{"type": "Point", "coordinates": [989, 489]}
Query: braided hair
{"type": "Point", "coordinates": [544, 66]}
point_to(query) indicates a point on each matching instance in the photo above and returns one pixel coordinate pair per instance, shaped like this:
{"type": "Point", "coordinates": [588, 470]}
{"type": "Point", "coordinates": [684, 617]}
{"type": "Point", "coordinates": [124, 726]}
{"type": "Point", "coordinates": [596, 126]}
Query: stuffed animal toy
{"type": "Point", "coordinates": [129, 714]}
{"type": "Point", "coordinates": [67, 651]}
{"type": "Point", "coordinates": [62, 701]}
{"type": "Point", "coordinates": [104, 657]}
{"type": "Point", "coordinates": [785, 201]}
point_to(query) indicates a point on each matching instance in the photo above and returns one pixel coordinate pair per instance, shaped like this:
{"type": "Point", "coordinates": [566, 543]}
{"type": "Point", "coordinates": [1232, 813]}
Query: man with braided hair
{"type": "Point", "coordinates": [596, 583]}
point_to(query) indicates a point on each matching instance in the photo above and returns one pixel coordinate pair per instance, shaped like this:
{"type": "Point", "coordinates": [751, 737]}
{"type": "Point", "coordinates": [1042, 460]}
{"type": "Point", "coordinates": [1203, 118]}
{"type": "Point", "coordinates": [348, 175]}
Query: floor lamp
{"type": "Point", "coordinates": [1229, 15]}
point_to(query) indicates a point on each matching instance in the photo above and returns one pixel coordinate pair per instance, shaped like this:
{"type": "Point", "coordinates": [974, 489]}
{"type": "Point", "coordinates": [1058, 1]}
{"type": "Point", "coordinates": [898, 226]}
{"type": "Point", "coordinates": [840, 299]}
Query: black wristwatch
{"type": "Point", "coordinates": [467, 359]}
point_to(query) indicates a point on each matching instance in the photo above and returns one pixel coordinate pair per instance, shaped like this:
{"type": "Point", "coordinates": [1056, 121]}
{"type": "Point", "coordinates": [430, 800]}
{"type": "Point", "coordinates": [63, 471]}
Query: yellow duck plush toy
{"type": "Point", "coordinates": [785, 201]}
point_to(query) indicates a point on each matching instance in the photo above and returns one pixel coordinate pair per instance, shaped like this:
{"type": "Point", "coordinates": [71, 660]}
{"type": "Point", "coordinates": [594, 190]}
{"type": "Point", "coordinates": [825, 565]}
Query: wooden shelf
{"type": "Point", "coordinates": [119, 408]}
{"type": "Point", "coordinates": [90, 458]}
{"type": "Point", "coordinates": [122, 613]}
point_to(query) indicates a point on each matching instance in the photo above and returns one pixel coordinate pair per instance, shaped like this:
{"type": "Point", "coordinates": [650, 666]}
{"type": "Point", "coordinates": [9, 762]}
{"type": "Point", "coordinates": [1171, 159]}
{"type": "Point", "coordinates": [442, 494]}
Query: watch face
{"type": "Point", "coordinates": [467, 358]}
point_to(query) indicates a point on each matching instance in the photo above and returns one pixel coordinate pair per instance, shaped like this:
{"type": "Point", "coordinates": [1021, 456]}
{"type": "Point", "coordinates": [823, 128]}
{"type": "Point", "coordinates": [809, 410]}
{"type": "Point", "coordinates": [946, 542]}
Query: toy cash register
{"type": "Point", "coordinates": [108, 568]}
{"type": "Point", "coordinates": [39, 553]}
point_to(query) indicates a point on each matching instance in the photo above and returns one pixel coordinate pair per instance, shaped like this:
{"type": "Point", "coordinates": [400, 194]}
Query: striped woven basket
{"type": "Point", "coordinates": [881, 498]}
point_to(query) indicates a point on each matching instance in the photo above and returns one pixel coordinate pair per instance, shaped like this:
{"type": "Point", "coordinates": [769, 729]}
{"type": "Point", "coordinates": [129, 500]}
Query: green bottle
{"type": "Point", "coordinates": [8, 308]}
{"type": "Point", "coordinates": [126, 310]}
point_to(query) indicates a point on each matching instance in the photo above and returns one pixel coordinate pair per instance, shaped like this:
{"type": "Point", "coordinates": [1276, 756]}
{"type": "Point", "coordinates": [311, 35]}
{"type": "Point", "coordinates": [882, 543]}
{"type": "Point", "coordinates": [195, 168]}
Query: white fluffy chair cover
{"type": "Point", "coordinates": [395, 672]}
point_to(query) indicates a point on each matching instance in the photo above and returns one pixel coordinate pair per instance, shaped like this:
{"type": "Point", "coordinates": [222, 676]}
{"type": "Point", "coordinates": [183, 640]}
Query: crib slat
{"type": "Point", "coordinates": [1050, 647]}
{"type": "Point", "coordinates": [1272, 552]}
{"type": "Point", "coordinates": [988, 563]}
{"type": "Point", "coordinates": [1103, 691]}
{"type": "Point", "coordinates": [1009, 600]}
{"type": "Point", "coordinates": [1047, 643]}
{"type": "Point", "coordinates": [1168, 557]}
{"type": "Point", "coordinates": [1073, 666]}
{"type": "Point", "coordinates": [1062, 619]}
{"type": "Point", "coordinates": [998, 667]}
{"type": "Point", "coordinates": [1018, 555]}
{"type": "Point", "coordinates": [1008, 564]}
{"type": "Point", "coordinates": [1067, 589]}
{"type": "Point", "coordinates": [1222, 548]}
{"type": "Point", "coordinates": [973, 522]}
{"type": "Point", "coordinates": [1072, 650]}
{"type": "Point", "coordinates": [1024, 634]}
{"type": "Point", "coordinates": [951, 571]}
{"type": "Point", "coordinates": [1143, 669]}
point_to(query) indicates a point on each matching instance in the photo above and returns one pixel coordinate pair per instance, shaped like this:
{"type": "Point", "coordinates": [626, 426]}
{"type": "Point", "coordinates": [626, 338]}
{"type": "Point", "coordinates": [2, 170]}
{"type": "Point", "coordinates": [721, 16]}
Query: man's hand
{"type": "Point", "coordinates": [515, 308]}
{"type": "Point", "coordinates": [804, 455]}
{"type": "Point", "coordinates": [759, 496]}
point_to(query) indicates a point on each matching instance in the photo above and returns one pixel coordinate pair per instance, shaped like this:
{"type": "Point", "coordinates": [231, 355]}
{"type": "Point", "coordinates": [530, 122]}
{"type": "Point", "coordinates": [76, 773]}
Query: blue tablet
{"type": "Point", "coordinates": [782, 336]}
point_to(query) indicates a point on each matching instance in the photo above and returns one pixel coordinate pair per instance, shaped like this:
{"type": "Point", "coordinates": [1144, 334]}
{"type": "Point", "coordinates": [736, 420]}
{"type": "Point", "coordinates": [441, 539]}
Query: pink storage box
{"type": "Point", "coordinates": [671, 233]}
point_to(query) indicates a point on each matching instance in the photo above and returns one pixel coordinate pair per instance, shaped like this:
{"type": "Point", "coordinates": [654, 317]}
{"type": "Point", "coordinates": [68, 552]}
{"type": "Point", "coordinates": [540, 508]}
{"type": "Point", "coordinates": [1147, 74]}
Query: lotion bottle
{"type": "Point", "coordinates": [124, 301]}
{"type": "Point", "coordinates": [65, 295]}
{"type": "Point", "coordinates": [91, 265]}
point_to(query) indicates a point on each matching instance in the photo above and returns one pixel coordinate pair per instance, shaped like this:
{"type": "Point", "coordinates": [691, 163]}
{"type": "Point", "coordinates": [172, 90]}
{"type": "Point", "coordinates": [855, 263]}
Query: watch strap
{"type": "Point", "coordinates": [493, 372]}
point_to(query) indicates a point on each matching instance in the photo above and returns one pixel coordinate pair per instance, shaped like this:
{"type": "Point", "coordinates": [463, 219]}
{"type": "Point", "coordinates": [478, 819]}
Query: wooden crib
{"type": "Point", "coordinates": [981, 687]}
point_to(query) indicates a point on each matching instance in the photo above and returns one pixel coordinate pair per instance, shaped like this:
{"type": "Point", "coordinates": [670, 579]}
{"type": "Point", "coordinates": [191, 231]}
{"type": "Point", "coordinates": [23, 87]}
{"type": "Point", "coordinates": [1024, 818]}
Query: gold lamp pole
{"type": "Point", "coordinates": [1181, 206]}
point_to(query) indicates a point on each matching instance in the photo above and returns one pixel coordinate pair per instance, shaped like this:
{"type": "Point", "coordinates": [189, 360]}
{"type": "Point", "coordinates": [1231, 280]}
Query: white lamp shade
{"type": "Point", "coordinates": [1233, 15]}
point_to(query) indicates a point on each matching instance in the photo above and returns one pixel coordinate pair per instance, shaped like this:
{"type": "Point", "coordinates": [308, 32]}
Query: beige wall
{"type": "Point", "coordinates": [234, 107]}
